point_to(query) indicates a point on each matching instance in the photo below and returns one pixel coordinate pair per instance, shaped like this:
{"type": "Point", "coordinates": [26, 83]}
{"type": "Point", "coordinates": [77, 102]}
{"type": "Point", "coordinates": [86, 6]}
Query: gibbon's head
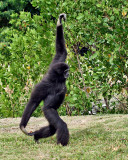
{"type": "Point", "coordinates": [59, 71]}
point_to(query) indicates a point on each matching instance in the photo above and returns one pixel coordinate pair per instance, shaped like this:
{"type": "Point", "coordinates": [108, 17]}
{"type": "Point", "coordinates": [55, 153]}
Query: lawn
{"type": "Point", "coordinates": [100, 137]}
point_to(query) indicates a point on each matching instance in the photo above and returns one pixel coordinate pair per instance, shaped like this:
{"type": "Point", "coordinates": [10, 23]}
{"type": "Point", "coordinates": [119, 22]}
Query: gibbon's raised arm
{"type": "Point", "coordinates": [61, 52]}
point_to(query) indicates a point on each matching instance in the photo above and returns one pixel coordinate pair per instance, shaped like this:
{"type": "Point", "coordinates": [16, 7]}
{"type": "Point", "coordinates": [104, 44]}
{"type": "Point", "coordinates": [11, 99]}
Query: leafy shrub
{"type": "Point", "coordinates": [27, 47]}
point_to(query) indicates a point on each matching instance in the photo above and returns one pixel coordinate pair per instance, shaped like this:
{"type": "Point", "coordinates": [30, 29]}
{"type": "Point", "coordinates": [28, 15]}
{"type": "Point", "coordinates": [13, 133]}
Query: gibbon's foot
{"type": "Point", "coordinates": [31, 134]}
{"type": "Point", "coordinates": [61, 16]}
{"type": "Point", "coordinates": [36, 141]}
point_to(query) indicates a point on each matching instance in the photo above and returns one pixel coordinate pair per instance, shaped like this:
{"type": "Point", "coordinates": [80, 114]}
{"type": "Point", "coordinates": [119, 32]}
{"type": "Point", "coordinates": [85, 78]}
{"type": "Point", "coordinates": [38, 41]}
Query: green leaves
{"type": "Point", "coordinates": [94, 55]}
{"type": "Point", "coordinates": [27, 46]}
{"type": "Point", "coordinates": [80, 16]}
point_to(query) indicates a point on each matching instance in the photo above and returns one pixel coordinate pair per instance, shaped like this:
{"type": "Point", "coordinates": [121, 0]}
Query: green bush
{"type": "Point", "coordinates": [7, 7]}
{"type": "Point", "coordinates": [28, 45]}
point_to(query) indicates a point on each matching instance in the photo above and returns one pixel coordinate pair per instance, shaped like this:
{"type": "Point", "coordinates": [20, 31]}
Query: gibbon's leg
{"type": "Point", "coordinates": [60, 126]}
{"type": "Point", "coordinates": [44, 132]}
{"type": "Point", "coordinates": [61, 52]}
{"type": "Point", "coordinates": [53, 119]}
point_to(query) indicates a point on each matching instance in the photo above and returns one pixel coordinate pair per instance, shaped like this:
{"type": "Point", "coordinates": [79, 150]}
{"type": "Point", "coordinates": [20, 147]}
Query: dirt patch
{"type": "Point", "coordinates": [11, 125]}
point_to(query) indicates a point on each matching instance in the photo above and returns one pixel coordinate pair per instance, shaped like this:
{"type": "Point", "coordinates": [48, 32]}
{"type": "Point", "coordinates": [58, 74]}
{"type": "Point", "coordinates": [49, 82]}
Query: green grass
{"type": "Point", "coordinates": [101, 137]}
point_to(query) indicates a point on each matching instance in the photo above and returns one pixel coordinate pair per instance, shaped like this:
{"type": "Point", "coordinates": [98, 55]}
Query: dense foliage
{"type": "Point", "coordinates": [27, 45]}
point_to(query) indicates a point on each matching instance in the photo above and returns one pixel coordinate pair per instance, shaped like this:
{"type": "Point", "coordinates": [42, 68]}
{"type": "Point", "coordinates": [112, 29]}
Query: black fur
{"type": "Point", "coordinates": [83, 51]}
{"type": "Point", "coordinates": [52, 91]}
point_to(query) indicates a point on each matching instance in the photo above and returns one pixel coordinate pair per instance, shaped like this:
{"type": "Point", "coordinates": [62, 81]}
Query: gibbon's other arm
{"type": "Point", "coordinates": [61, 52]}
{"type": "Point", "coordinates": [37, 95]}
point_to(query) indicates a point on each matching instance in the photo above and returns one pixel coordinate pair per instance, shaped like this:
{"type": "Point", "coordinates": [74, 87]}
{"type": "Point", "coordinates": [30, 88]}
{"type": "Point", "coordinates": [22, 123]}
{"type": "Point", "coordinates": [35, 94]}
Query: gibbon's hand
{"type": "Point", "coordinates": [62, 15]}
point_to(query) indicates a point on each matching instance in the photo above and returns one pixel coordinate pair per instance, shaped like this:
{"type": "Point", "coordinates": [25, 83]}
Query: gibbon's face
{"type": "Point", "coordinates": [66, 73]}
{"type": "Point", "coordinates": [61, 69]}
